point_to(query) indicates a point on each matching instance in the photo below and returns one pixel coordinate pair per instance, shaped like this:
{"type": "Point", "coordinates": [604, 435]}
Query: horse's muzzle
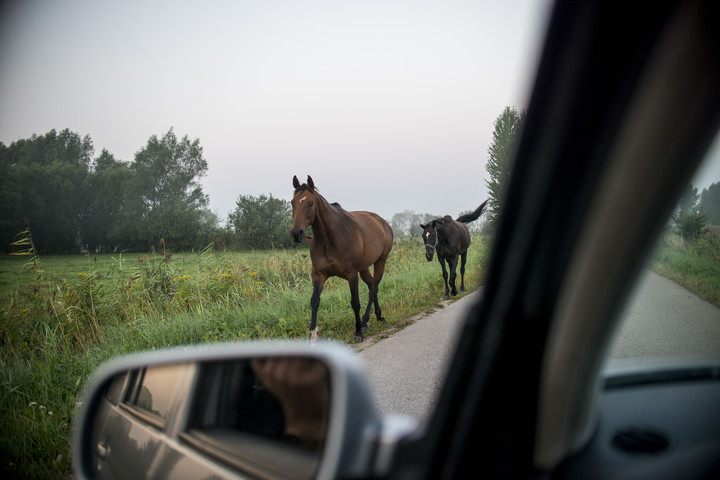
{"type": "Point", "coordinates": [298, 235]}
{"type": "Point", "coordinates": [429, 252]}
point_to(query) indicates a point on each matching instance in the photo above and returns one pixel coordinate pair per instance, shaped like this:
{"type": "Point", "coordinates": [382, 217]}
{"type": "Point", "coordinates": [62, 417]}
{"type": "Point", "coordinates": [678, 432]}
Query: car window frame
{"type": "Point", "coordinates": [596, 57]}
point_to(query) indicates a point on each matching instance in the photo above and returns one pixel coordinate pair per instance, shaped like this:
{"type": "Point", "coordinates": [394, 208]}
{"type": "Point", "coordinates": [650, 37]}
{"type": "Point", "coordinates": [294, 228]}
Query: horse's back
{"type": "Point", "coordinates": [464, 241]}
{"type": "Point", "coordinates": [375, 230]}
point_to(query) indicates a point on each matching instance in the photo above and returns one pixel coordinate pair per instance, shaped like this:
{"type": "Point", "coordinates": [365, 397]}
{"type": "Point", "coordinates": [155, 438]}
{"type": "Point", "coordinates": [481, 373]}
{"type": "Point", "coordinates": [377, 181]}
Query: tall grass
{"type": "Point", "coordinates": [69, 314]}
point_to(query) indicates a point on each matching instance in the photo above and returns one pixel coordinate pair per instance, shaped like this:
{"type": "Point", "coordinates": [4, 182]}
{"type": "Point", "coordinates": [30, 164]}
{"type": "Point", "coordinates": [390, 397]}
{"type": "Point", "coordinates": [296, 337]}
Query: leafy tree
{"type": "Point", "coordinates": [501, 154]}
{"type": "Point", "coordinates": [165, 180]}
{"type": "Point", "coordinates": [51, 183]}
{"type": "Point", "coordinates": [44, 185]}
{"type": "Point", "coordinates": [261, 222]}
{"type": "Point", "coordinates": [690, 219]}
{"type": "Point", "coordinates": [710, 203]}
{"type": "Point", "coordinates": [106, 211]}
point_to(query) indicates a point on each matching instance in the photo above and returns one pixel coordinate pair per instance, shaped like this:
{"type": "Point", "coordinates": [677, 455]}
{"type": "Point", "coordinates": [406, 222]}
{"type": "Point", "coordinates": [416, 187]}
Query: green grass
{"type": "Point", "coordinates": [693, 264]}
{"type": "Point", "coordinates": [63, 318]}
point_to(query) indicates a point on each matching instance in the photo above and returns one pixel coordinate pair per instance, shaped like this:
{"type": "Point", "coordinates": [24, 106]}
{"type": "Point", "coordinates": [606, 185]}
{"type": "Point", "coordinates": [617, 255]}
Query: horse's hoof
{"type": "Point", "coordinates": [358, 338]}
{"type": "Point", "coordinates": [381, 319]}
{"type": "Point", "coordinates": [364, 330]}
{"type": "Point", "coordinates": [447, 297]}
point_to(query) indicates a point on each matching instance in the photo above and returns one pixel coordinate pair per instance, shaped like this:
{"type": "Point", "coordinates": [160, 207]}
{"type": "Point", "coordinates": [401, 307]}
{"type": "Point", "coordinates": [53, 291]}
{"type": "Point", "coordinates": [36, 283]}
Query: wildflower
{"type": "Point", "coordinates": [32, 404]}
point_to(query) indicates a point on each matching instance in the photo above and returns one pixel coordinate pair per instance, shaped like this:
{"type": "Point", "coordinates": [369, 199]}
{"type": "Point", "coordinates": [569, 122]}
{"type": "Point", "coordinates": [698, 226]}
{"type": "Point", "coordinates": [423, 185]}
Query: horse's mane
{"type": "Point", "coordinates": [335, 205]}
{"type": "Point", "coordinates": [304, 187]}
{"type": "Point", "coordinates": [442, 220]}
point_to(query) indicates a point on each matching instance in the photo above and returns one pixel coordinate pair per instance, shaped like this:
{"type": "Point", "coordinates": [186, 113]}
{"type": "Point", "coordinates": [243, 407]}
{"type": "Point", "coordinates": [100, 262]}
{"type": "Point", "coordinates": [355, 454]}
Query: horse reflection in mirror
{"type": "Point", "coordinates": [450, 239]}
{"type": "Point", "coordinates": [344, 244]}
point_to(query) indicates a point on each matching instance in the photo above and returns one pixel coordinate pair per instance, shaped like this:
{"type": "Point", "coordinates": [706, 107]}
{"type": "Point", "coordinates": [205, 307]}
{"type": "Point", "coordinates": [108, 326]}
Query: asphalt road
{"type": "Point", "coordinates": [407, 369]}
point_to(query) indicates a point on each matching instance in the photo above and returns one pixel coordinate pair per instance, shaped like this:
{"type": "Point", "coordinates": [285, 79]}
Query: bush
{"type": "Point", "coordinates": [691, 225]}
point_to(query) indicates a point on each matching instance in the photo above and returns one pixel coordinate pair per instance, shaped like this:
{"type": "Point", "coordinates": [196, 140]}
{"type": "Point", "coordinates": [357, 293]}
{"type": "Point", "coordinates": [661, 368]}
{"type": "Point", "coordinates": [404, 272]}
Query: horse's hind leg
{"type": "Point", "coordinates": [378, 272]}
{"type": "Point", "coordinates": [462, 271]}
{"type": "Point", "coordinates": [369, 281]}
{"type": "Point", "coordinates": [373, 282]}
{"type": "Point", "coordinates": [355, 304]}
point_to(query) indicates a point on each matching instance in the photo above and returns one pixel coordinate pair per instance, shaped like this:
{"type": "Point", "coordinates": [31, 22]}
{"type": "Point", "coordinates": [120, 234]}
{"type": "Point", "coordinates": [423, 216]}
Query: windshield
{"type": "Point", "coordinates": [674, 311]}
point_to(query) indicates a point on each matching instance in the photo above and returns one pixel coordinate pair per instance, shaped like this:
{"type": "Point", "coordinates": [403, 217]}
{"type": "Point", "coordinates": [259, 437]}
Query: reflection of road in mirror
{"type": "Point", "coordinates": [302, 388]}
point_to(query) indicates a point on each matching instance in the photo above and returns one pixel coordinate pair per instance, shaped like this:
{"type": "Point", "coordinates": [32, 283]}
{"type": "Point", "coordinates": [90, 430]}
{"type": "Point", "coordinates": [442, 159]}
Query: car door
{"type": "Point", "coordinates": [137, 417]}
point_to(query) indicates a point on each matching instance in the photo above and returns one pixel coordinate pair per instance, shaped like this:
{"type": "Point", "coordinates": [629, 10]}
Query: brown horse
{"type": "Point", "coordinates": [450, 238]}
{"type": "Point", "coordinates": [343, 244]}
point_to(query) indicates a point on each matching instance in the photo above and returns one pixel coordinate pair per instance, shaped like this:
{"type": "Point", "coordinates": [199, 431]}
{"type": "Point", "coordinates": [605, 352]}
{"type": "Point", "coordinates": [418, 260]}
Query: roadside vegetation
{"type": "Point", "coordinates": [693, 263]}
{"type": "Point", "coordinates": [64, 315]}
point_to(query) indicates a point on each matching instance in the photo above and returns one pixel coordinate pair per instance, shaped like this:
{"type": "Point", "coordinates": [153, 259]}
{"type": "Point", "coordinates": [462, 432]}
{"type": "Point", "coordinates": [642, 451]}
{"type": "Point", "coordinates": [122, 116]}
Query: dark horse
{"type": "Point", "coordinates": [450, 238]}
{"type": "Point", "coordinates": [343, 244]}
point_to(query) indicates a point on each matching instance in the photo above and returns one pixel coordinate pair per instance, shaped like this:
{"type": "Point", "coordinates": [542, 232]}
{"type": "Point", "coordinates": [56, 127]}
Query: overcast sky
{"type": "Point", "coordinates": [389, 105]}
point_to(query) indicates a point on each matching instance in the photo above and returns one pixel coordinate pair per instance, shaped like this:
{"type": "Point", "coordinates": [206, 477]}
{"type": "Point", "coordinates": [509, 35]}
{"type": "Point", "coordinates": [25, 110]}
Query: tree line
{"type": "Point", "coordinates": [55, 189]}
{"type": "Point", "coordinates": [53, 186]}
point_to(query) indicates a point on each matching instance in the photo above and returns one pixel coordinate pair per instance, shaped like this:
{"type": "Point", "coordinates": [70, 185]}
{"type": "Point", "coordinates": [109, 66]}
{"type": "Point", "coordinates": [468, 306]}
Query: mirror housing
{"type": "Point", "coordinates": [358, 442]}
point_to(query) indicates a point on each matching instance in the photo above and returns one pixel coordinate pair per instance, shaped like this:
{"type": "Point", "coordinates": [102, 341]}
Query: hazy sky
{"type": "Point", "coordinates": [389, 105]}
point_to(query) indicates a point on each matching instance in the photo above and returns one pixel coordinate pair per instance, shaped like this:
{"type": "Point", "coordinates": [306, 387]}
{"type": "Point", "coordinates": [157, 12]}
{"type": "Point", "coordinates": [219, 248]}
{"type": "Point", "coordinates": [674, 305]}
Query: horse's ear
{"type": "Point", "coordinates": [310, 183]}
{"type": "Point", "coordinates": [423, 226]}
{"type": "Point", "coordinates": [296, 182]}
{"type": "Point", "coordinates": [434, 223]}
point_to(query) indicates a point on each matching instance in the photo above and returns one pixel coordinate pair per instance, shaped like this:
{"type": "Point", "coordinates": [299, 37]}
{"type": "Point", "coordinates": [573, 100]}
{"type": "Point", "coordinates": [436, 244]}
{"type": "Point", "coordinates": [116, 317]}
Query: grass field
{"type": "Point", "coordinates": [68, 314]}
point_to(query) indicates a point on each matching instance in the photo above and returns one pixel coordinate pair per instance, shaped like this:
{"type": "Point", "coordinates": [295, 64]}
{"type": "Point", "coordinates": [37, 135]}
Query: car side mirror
{"type": "Point", "coordinates": [269, 410]}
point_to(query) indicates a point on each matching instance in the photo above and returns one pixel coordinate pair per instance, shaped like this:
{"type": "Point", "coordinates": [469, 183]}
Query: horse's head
{"type": "Point", "coordinates": [303, 207]}
{"type": "Point", "coordinates": [430, 237]}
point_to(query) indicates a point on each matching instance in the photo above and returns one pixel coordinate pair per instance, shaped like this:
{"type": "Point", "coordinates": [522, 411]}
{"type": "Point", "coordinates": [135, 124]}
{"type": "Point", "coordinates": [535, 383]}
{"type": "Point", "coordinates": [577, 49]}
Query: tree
{"type": "Point", "coordinates": [501, 154]}
{"type": "Point", "coordinates": [710, 203]}
{"type": "Point", "coordinates": [261, 222]}
{"type": "Point", "coordinates": [70, 201]}
{"type": "Point", "coordinates": [165, 179]}
{"type": "Point", "coordinates": [44, 183]}
{"type": "Point", "coordinates": [689, 219]}
{"type": "Point", "coordinates": [105, 214]}
{"type": "Point", "coordinates": [407, 223]}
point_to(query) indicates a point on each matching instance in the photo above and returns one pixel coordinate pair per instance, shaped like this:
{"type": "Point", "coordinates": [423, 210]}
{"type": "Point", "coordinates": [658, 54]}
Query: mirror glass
{"type": "Point", "coordinates": [264, 416]}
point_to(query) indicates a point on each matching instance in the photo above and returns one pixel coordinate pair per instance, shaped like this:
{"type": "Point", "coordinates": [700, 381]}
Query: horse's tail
{"type": "Point", "coordinates": [469, 217]}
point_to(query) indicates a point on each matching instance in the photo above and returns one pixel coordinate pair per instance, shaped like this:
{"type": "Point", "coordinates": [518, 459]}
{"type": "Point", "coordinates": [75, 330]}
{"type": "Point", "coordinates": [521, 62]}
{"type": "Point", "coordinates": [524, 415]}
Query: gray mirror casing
{"type": "Point", "coordinates": [359, 441]}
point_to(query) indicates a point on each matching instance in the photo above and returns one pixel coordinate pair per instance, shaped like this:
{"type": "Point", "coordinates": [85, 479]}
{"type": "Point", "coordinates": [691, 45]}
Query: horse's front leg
{"type": "Point", "coordinates": [360, 327]}
{"type": "Point", "coordinates": [441, 259]}
{"type": "Point", "coordinates": [318, 284]}
{"type": "Point", "coordinates": [452, 263]}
